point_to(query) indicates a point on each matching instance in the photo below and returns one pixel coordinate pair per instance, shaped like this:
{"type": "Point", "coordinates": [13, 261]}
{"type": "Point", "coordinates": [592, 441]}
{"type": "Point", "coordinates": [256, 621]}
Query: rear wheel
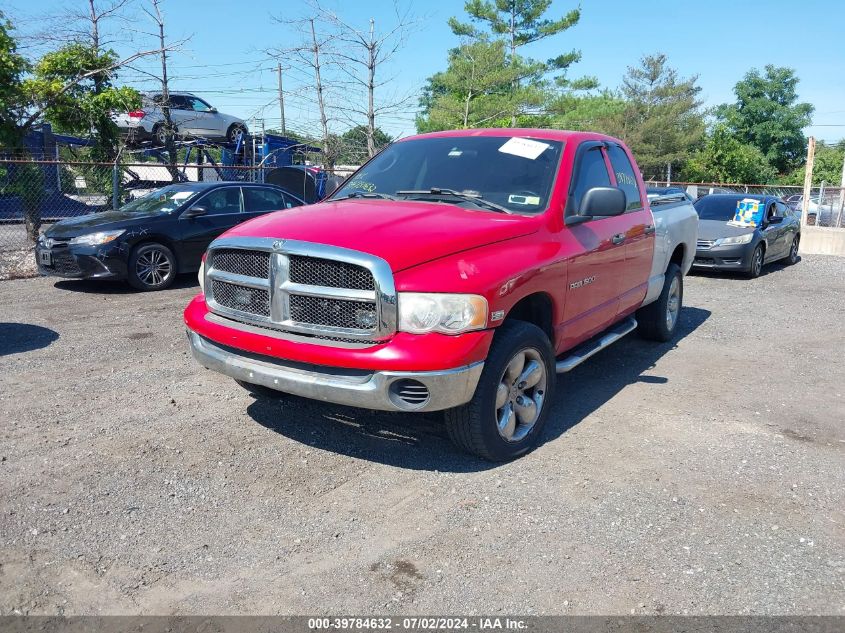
{"type": "Point", "coordinates": [152, 266]}
{"type": "Point", "coordinates": [755, 267]}
{"type": "Point", "coordinates": [160, 134]}
{"type": "Point", "coordinates": [659, 320]}
{"type": "Point", "coordinates": [234, 132]}
{"type": "Point", "coordinates": [506, 415]}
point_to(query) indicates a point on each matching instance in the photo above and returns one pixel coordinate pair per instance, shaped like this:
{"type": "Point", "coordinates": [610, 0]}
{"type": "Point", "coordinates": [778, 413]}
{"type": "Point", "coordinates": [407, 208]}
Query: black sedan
{"type": "Point", "coordinates": [150, 240]}
{"type": "Point", "coordinates": [724, 246]}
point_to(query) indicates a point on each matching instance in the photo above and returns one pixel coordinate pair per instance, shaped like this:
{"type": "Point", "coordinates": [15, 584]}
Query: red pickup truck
{"type": "Point", "coordinates": [455, 271]}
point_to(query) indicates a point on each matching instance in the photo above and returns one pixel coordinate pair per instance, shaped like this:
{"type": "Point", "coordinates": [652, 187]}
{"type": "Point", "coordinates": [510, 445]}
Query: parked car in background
{"type": "Point", "coordinates": [457, 271]}
{"type": "Point", "coordinates": [153, 238]}
{"type": "Point", "coordinates": [723, 246]}
{"type": "Point", "coordinates": [657, 192]}
{"type": "Point", "coordinates": [820, 212]}
{"type": "Point", "coordinates": [191, 117]}
{"type": "Point", "coordinates": [699, 191]}
{"type": "Point", "coordinates": [793, 201]}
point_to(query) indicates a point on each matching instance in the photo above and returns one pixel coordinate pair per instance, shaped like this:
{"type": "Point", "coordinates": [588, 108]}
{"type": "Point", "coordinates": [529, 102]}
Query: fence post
{"type": "Point", "coordinates": [841, 196]}
{"type": "Point", "coordinates": [115, 187]}
{"type": "Point", "coordinates": [808, 179]}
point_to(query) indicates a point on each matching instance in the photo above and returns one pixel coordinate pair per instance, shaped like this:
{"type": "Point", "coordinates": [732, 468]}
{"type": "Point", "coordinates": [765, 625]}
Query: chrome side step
{"type": "Point", "coordinates": [609, 337]}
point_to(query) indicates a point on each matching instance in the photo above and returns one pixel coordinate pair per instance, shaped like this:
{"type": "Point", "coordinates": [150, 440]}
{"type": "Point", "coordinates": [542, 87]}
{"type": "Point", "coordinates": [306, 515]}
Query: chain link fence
{"type": "Point", "coordinates": [34, 194]}
{"type": "Point", "coordinates": [825, 207]}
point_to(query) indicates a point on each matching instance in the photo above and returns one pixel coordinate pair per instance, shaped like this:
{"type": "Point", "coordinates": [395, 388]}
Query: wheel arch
{"type": "Point", "coordinates": [536, 308]}
{"type": "Point", "coordinates": [678, 256]}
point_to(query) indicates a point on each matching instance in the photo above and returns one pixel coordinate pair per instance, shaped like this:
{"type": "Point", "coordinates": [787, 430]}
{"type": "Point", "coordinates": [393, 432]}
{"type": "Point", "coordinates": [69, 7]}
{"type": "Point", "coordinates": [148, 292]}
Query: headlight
{"type": "Point", "coordinates": [202, 275]}
{"type": "Point", "coordinates": [101, 237]}
{"type": "Point", "coordinates": [447, 313]}
{"type": "Point", "coordinates": [737, 239]}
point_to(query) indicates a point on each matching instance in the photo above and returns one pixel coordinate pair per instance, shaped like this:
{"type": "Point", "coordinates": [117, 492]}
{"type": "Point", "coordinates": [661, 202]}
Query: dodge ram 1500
{"type": "Point", "coordinates": [456, 271]}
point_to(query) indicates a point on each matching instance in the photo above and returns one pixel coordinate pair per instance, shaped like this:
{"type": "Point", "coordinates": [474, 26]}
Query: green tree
{"type": "Point", "coordinates": [662, 119]}
{"type": "Point", "coordinates": [475, 90]}
{"type": "Point", "coordinates": [354, 147]}
{"type": "Point", "coordinates": [73, 86]}
{"type": "Point", "coordinates": [518, 23]}
{"type": "Point", "coordinates": [827, 165]}
{"type": "Point", "coordinates": [570, 111]}
{"type": "Point", "coordinates": [724, 158]}
{"type": "Point", "coordinates": [766, 115]}
{"type": "Point", "coordinates": [13, 67]}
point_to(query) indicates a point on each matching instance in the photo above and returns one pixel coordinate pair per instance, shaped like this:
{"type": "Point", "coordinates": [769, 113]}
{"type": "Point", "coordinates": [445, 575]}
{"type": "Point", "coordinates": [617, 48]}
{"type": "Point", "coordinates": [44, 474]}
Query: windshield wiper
{"type": "Point", "coordinates": [470, 197]}
{"type": "Point", "coordinates": [365, 194]}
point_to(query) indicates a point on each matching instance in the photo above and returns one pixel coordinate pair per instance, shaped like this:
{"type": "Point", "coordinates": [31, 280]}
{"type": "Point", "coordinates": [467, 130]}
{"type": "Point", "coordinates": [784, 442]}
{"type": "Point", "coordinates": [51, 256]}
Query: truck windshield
{"type": "Point", "coordinates": [513, 173]}
{"type": "Point", "coordinates": [164, 200]}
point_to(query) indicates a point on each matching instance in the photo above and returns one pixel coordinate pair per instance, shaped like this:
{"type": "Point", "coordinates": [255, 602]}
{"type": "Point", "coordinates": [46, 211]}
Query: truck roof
{"type": "Point", "coordinates": [538, 133]}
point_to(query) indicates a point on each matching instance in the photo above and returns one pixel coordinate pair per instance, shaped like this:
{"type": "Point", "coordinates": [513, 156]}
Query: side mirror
{"type": "Point", "coordinates": [213, 110]}
{"type": "Point", "coordinates": [599, 202]}
{"type": "Point", "coordinates": [195, 211]}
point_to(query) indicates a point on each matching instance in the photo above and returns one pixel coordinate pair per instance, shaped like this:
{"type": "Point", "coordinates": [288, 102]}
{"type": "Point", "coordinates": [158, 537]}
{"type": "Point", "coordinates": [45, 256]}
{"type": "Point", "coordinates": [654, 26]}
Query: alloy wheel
{"type": "Point", "coordinates": [153, 267]}
{"type": "Point", "coordinates": [673, 304]}
{"type": "Point", "coordinates": [520, 395]}
{"type": "Point", "coordinates": [758, 262]}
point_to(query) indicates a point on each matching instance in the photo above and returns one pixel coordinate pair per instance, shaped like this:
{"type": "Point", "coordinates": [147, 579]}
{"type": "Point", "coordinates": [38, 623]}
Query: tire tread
{"type": "Point", "coordinates": [465, 424]}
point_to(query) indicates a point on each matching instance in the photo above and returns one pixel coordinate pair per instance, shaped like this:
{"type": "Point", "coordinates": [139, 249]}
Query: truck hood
{"type": "Point", "coordinates": [403, 233]}
{"type": "Point", "coordinates": [714, 229]}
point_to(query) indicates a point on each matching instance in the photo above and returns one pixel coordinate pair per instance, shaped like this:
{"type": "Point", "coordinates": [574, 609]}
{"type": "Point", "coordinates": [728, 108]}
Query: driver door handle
{"type": "Point", "coordinates": [618, 238]}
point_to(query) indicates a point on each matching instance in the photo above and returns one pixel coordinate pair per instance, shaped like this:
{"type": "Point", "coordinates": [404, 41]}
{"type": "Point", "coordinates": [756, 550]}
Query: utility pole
{"type": "Point", "coordinates": [808, 180]}
{"type": "Point", "coordinates": [841, 196]}
{"type": "Point", "coordinates": [281, 100]}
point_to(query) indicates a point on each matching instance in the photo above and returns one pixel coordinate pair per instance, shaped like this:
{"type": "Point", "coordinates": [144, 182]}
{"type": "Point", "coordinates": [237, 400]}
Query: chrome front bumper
{"type": "Point", "coordinates": [382, 390]}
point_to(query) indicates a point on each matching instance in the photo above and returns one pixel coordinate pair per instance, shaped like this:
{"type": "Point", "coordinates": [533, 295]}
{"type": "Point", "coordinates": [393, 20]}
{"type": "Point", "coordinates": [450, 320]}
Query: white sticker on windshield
{"type": "Point", "coordinates": [524, 147]}
{"type": "Point", "coordinates": [512, 199]}
{"type": "Point", "coordinates": [180, 195]}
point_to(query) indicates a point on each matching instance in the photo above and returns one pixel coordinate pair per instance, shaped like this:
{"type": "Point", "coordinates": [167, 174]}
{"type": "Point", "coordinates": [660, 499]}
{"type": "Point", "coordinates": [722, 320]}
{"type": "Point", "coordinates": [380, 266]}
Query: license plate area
{"type": "Point", "coordinates": [45, 258]}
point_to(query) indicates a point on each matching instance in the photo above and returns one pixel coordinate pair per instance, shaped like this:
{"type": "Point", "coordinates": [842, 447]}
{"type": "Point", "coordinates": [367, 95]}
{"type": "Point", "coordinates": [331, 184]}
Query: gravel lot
{"type": "Point", "coordinates": [705, 476]}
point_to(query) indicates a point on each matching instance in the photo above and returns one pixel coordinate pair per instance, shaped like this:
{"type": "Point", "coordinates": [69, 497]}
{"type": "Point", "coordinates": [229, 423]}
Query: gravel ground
{"type": "Point", "coordinates": [703, 476]}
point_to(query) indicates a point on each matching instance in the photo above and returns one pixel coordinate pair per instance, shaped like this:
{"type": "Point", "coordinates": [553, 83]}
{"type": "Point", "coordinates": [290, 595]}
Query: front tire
{"type": "Point", "coordinates": [505, 417]}
{"type": "Point", "coordinates": [658, 320]}
{"type": "Point", "coordinates": [793, 258]}
{"type": "Point", "coordinates": [152, 266]}
{"type": "Point", "coordinates": [755, 267]}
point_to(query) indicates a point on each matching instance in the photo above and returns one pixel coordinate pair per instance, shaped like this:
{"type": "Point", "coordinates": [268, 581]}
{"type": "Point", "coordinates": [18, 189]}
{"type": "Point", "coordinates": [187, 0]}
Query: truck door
{"type": "Point", "coordinates": [597, 254]}
{"type": "Point", "coordinates": [639, 232]}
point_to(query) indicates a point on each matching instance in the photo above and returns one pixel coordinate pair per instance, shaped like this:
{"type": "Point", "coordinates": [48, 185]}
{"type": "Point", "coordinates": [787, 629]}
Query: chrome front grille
{"type": "Point", "coordinates": [325, 272]}
{"type": "Point", "coordinates": [241, 262]}
{"type": "Point", "coordinates": [241, 298]}
{"type": "Point", "coordinates": [704, 244]}
{"type": "Point", "coordinates": [301, 287]}
{"type": "Point", "coordinates": [333, 312]}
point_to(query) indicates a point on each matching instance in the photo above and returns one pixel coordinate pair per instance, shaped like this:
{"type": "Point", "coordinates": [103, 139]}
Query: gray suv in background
{"type": "Point", "coordinates": [191, 116]}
